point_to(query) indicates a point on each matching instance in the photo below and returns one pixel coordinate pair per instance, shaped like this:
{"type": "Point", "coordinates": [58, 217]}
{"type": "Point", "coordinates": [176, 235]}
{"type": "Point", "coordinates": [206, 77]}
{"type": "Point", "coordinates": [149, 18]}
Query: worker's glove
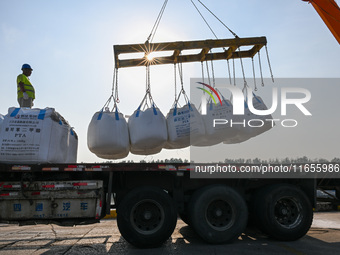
{"type": "Point", "coordinates": [25, 96]}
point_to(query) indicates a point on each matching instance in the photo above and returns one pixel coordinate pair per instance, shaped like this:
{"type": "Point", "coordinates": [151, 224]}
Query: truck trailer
{"type": "Point", "coordinates": [148, 198]}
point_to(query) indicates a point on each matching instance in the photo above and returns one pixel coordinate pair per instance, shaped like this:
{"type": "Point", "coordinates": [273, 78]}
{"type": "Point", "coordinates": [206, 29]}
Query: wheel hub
{"type": "Point", "coordinates": [288, 212]}
{"type": "Point", "coordinates": [147, 217]}
{"type": "Point", "coordinates": [220, 215]}
{"type": "Point", "coordinates": [284, 211]}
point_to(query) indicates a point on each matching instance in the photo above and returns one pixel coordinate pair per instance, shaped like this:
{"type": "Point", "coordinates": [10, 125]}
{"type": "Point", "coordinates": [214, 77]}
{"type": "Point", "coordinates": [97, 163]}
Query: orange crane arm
{"type": "Point", "coordinates": [329, 11]}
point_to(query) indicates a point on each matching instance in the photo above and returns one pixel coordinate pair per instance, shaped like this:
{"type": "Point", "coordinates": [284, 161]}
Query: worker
{"type": "Point", "coordinates": [26, 93]}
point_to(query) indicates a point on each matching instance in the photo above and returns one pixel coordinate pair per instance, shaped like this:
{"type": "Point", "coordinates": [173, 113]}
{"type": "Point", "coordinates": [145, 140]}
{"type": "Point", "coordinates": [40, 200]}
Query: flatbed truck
{"type": "Point", "coordinates": [149, 197]}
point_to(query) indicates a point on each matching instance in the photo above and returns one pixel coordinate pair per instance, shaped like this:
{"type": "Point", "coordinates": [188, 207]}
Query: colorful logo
{"type": "Point", "coordinates": [208, 92]}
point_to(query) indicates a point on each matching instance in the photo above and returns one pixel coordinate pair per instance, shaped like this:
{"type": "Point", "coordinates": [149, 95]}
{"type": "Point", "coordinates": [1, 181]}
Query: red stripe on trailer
{"type": "Point", "coordinates": [73, 169]}
{"type": "Point", "coordinates": [48, 186]}
{"type": "Point", "coordinates": [94, 168]}
{"type": "Point", "coordinates": [97, 169]}
{"type": "Point", "coordinates": [185, 168]}
{"type": "Point", "coordinates": [50, 169]}
{"type": "Point", "coordinates": [35, 193]}
{"type": "Point", "coordinates": [11, 186]}
{"type": "Point", "coordinates": [80, 184]}
{"type": "Point", "coordinates": [9, 194]}
{"type": "Point", "coordinates": [21, 168]}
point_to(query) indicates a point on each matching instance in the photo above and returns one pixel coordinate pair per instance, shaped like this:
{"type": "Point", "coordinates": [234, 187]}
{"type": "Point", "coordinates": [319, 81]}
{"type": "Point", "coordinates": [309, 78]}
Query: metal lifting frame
{"type": "Point", "coordinates": [230, 49]}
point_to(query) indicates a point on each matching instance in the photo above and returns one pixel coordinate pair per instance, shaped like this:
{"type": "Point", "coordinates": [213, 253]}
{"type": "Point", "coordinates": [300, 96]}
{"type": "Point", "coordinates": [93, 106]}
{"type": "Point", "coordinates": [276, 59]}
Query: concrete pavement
{"type": "Point", "coordinates": [104, 238]}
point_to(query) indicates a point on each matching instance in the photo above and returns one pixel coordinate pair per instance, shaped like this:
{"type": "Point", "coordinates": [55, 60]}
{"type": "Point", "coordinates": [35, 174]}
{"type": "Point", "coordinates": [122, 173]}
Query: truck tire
{"type": "Point", "coordinates": [218, 214]}
{"type": "Point", "coordinates": [283, 211]}
{"type": "Point", "coordinates": [146, 217]}
{"type": "Point", "coordinates": [337, 192]}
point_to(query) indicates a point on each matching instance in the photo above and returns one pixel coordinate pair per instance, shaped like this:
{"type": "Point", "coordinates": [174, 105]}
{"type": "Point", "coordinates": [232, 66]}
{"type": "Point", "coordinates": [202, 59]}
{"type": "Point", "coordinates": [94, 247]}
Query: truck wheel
{"type": "Point", "coordinates": [218, 214]}
{"type": "Point", "coordinates": [283, 212]}
{"type": "Point", "coordinates": [146, 217]}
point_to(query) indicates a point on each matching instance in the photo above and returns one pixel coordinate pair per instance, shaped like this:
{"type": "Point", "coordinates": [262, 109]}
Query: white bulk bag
{"type": "Point", "coordinates": [148, 131]}
{"type": "Point", "coordinates": [72, 147]}
{"type": "Point", "coordinates": [185, 126]}
{"type": "Point", "coordinates": [244, 132]}
{"type": "Point", "coordinates": [263, 119]}
{"type": "Point", "coordinates": [33, 136]}
{"type": "Point", "coordinates": [254, 124]}
{"type": "Point", "coordinates": [223, 129]}
{"type": "Point", "coordinates": [108, 135]}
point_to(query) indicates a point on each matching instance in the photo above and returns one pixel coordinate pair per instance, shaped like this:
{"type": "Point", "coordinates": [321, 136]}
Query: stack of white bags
{"type": "Point", "coordinates": [36, 136]}
{"type": "Point", "coordinates": [148, 131]}
{"type": "Point", "coordinates": [109, 136]}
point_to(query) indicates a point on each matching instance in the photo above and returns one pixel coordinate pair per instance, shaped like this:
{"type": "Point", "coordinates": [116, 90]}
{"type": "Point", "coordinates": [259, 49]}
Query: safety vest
{"type": "Point", "coordinates": [27, 86]}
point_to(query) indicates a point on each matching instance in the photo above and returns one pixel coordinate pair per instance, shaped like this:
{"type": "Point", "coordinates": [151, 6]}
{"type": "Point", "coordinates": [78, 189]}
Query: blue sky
{"type": "Point", "coordinates": [69, 45]}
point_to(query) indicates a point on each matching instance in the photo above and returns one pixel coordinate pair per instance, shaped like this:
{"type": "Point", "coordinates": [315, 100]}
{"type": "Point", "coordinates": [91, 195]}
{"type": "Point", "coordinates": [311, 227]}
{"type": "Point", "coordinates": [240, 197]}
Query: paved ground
{"type": "Point", "coordinates": [103, 238]}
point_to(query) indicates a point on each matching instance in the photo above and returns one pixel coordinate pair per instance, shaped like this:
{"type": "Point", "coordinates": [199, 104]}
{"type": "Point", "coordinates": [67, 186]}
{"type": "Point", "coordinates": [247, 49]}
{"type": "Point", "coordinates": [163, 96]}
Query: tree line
{"type": "Point", "coordinates": [286, 160]}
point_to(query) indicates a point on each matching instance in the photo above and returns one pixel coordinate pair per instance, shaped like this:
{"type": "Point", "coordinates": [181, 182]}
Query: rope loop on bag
{"type": "Point", "coordinates": [182, 91]}
{"type": "Point", "coordinates": [147, 97]}
{"type": "Point", "coordinates": [114, 95]}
